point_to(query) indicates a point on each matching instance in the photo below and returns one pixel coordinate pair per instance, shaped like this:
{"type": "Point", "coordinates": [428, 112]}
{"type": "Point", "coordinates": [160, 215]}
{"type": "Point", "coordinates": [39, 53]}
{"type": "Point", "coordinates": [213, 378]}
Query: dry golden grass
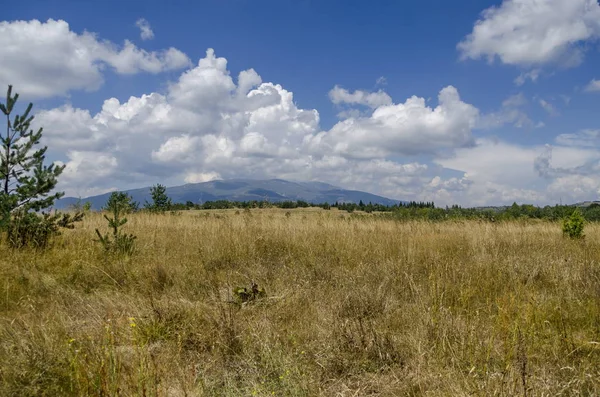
{"type": "Point", "coordinates": [355, 306]}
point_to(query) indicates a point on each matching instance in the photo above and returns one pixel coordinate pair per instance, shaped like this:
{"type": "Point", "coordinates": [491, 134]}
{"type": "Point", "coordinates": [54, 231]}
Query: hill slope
{"type": "Point", "coordinates": [274, 190]}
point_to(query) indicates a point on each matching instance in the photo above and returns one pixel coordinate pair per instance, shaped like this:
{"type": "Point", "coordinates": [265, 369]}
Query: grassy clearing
{"type": "Point", "coordinates": [355, 306]}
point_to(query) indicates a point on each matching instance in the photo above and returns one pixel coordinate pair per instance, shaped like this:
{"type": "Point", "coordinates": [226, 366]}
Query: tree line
{"type": "Point", "coordinates": [412, 210]}
{"type": "Point", "coordinates": [162, 203]}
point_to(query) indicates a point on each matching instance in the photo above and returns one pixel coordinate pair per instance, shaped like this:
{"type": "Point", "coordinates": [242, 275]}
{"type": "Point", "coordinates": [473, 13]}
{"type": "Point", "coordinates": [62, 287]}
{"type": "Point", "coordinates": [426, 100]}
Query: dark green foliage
{"type": "Point", "coordinates": [160, 201]}
{"type": "Point", "coordinates": [28, 229]}
{"type": "Point", "coordinates": [417, 210]}
{"type": "Point", "coordinates": [494, 214]}
{"type": "Point", "coordinates": [121, 201]}
{"type": "Point", "coordinates": [302, 204]}
{"type": "Point", "coordinates": [26, 184]}
{"type": "Point", "coordinates": [119, 242]}
{"type": "Point", "coordinates": [287, 204]}
{"type": "Point", "coordinates": [573, 226]}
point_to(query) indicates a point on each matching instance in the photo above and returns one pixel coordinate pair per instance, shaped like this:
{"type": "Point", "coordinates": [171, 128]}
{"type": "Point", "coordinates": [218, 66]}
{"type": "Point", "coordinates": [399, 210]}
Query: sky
{"type": "Point", "coordinates": [469, 102]}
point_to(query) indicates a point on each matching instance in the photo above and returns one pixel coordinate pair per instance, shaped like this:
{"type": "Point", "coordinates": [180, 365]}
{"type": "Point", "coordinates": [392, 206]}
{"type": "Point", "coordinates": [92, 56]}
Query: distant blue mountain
{"type": "Point", "coordinates": [274, 190]}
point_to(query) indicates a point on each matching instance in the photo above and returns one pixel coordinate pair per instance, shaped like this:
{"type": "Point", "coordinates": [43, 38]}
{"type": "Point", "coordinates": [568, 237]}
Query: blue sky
{"type": "Point", "coordinates": [469, 102]}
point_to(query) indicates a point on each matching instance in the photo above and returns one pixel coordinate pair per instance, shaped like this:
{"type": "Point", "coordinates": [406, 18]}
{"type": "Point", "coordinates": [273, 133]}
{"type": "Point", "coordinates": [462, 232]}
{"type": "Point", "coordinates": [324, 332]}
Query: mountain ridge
{"type": "Point", "coordinates": [239, 189]}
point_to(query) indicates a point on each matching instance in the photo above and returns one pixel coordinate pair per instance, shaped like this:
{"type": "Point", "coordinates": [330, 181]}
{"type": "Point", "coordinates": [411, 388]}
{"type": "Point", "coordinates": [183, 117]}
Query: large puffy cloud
{"type": "Point", "coordinates": [407, 128]}
{"type": "Point", "coordinates": [211, 125]}
{"type": "Point", "coordinates": [205, 126]}
{"type": "Point", "coordinates": [534, 32]}
{"type": "Point", "coordinates": [44, 59]}
{"type": "Point", "coordinates": [176, 149]}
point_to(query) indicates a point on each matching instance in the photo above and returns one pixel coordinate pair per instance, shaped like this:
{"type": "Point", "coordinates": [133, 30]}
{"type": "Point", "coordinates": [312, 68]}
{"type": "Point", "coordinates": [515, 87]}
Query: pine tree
{"type": "Point", "coordinates": [26, 184]}
{"type": "Point", "coordinates": [160, 201]}
{"type": "Point", "coordinates": [123, 201]}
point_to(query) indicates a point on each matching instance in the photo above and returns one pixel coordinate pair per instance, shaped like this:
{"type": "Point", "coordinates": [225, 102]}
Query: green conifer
{"type": "Point", "coordinates": [26, 184]}
{"type": "Point", "coordinates": [160, 201]}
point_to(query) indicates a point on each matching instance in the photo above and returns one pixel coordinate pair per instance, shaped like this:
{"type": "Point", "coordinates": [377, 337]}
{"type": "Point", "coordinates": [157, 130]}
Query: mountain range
{"type": "Point", "coordinates": [273, 190]}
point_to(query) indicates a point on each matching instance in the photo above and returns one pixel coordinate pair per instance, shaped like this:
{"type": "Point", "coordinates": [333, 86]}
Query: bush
{"type": "Point", "coordinates": [573, 225]}
{"type": "Point", "coordinates": [28, 229]}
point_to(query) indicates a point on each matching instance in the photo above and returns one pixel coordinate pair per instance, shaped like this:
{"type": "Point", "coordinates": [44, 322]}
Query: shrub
{"type": "Point", "coordinates": [573, 225]}
{"type": "Point", "coordinates": [28, 229]}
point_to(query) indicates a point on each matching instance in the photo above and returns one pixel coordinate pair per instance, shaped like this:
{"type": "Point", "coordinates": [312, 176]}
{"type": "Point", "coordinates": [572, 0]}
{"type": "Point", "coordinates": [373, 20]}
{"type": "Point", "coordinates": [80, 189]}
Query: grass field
{"type": "Point", "coordinates": [354, 306]}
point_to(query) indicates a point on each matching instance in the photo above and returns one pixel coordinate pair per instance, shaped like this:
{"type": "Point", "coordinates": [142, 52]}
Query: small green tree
{"type": "Point", "coordinates": [122, 201]}
{"type": "Point", "coordinates": [573, 225]}
{"type": "Point", "coordinates": [160, 201]}
{"type": "Point", "coordinates": [26, 184]}
{"type": "Point", "coordinates": [119, 242]}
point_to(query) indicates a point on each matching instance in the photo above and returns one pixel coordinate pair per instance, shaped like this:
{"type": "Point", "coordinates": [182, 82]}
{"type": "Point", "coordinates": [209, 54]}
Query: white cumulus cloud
{"type": "Point", "coordinates": [210, 125]}
{"type": "Point", "coordinates": [409, 128]}
{"type": "Point", "coordinates": [534, 32]}
{"type": "Point", "coordinates": [45, 59]}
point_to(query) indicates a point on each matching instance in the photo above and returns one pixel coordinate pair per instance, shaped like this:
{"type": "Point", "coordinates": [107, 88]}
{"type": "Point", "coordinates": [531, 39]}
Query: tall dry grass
{"type": "Point", "coordinates": [356, 306]}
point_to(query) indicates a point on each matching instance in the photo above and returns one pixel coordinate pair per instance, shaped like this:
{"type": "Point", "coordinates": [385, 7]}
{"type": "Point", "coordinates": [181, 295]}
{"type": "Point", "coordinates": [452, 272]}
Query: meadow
{"type": "Point", "coordinates": [354, 305]}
